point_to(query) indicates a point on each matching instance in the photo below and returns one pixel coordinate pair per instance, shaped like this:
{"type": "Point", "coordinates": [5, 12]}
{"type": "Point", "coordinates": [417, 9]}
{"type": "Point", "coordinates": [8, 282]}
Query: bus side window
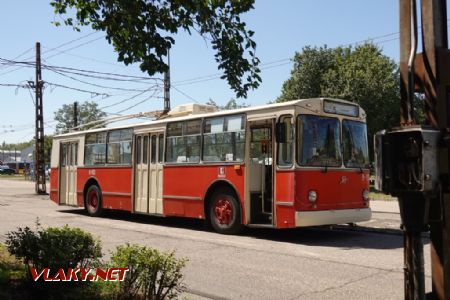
{"type": "Point", "coordinates": [145, 150]}
{"type": "Point", "coordinates": [63, 155]}
{"type": "Point", "coordinates": [138, 150]}
{"type": "Point", "coordinates": [284, 156]}
{"type": "Point", "coordinates": [74, 154]}
{"type": "Point", "coordinates": [153, 154]}
{"type": "Point", "coordinates": [183, 141]}
{"type": "Point", "coordinates": [161, 148]}
{"type": "Point", "coordinates": [224, 139]}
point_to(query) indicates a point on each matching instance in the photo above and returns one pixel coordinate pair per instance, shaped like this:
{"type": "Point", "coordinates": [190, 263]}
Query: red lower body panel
{"type": "Point", "coordinates": [335, 189]}
{"type": "Point", "coordinates": [184, 187]}
{"type": "Point", "coordinates": [115, 184]}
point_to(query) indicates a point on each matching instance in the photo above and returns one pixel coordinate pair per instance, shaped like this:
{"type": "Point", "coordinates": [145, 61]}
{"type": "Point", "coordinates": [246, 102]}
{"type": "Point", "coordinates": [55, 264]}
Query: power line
{"type": "Point", "coordinates": [140, 102]}
{"type": "Point", "coordinates": [96, 85]}
{"type": "Point", "coordinates": [91, 59]}
{"type": "Point", "coordinates": [140, 80]}
{"type": "Point", "coordinates": [183, 93]}
{"type": "Point", "coordinates": [75, 47]}
{"type": "Point", "coordinates": [127, 99]}
{"type": "Point", "coordinates": [70, 42]}
{"type": "Point", "coordinates": [76, 89]}
{"type": "Point", "coordinates": [18, 56]}
{"type": "Point", "coordinates": [102, 73]}
{"type": "Point", "coordinates": [83, 72]}
{"type": "Point", "coordinates": [264, 66]}
{"type": "Point", "coordinates": [53, 49]}
{"type": "Point", "coordinates": [14, 85]}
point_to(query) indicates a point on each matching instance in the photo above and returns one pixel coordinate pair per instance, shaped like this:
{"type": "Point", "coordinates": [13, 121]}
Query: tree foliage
{"type": "Point", "coordinates": [142, 31]}
{"type": "Point", "coordinates": [54, 247]}
{"type": "Point", "coordinates": [152, 274]}
{"type": "Point", "coordinates": [231, 104]}
{"type": "Point", "coordinates": [87, 112]}
{"type": "Point", "coordinates": [361, 74]}
{"type": "Point", "coordinates": [48, 140]}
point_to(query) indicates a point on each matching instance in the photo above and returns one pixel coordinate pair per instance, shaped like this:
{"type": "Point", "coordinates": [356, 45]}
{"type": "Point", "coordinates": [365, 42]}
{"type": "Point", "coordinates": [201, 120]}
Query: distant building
{"type": "Point", "coordinates": [7, 156]}
{"type": "Point", "coordinates": [26, 154]}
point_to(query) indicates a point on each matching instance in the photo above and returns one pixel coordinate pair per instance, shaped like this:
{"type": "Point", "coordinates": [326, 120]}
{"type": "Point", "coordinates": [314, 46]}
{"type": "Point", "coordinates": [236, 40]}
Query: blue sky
{"type": "Point", "coordinates": [282, 27]}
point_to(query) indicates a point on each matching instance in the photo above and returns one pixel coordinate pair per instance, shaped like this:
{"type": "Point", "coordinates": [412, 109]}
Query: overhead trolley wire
{"type": "Point", "coordinates": [76, 89]}
{"type": "Point", "coordinates": [53, 49]}
{"type": "Point", "coordinates": [97, 85]}
{"type": "Point", "coordinates": [74, 47]}
{"type": "Point", "coordinates": [140, 102]}
{"type": "Point", "coordinates": [129, 99]}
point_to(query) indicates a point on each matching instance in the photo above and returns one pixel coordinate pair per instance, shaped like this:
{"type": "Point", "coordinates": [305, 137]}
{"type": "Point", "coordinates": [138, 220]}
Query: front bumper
{"type": "Point", "coordinates": [330, 217]}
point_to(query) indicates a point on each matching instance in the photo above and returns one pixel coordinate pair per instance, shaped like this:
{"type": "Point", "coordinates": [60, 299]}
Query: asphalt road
{"type": "Point", "coordinates": [343, 262]}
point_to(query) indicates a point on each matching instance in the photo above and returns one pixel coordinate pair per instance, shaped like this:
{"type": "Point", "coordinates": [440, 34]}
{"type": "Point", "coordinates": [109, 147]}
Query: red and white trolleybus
{"type": "Point", "coordinates": [292, 164]}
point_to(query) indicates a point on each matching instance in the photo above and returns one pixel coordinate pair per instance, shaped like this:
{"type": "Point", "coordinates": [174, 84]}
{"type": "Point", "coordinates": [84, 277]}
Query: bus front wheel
{"type": "Point", "coordinates": [93, 201]}
{"type": "Point", "coordinates": [224, 212]}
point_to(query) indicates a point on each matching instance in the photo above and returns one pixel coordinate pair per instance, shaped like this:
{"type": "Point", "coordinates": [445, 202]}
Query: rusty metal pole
{"type": "Point", "coordinates": [39, 163]}
{"type": "Point", "coordinates": [75, 115]}
{"type": "Point", "coordinates": [414, 279]}
{"type": "Point", "coordinates": [405, 47]}
{"type": "Point", "coordinates": [434, 73]}
{"type": "Point", "coordinates": [167, 88]}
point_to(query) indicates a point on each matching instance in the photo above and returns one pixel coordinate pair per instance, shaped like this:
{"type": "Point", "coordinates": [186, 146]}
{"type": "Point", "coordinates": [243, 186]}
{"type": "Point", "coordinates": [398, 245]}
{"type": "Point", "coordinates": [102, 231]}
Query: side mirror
{"type": "Point", "coordinates": [280, 133]}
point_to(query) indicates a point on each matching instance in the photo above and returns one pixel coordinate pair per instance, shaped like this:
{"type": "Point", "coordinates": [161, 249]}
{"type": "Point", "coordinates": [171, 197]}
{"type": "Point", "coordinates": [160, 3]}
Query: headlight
{"type": "Point", "coordinates": [365, 195]}
{"type": "Point", "coordinates": [312, 196]}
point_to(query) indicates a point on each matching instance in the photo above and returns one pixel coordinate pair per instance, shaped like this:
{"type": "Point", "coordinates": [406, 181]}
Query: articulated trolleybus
{"type": "Point", "coordinates": [293, 164]}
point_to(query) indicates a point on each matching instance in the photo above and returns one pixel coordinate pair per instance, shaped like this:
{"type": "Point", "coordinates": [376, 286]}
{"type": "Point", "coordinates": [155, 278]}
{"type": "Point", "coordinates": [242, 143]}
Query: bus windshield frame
{"type": "Point", "coordinates": [319, 141]}
{"type": "Point", "coordinates": [355, 150]}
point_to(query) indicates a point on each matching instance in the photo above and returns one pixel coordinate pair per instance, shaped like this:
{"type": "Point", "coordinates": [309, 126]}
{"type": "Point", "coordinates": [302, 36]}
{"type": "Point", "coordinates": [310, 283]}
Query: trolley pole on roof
{"type": "Point", "coordinates": [39, 163]}
{"type": "Point", "coordinates": [427, 204]}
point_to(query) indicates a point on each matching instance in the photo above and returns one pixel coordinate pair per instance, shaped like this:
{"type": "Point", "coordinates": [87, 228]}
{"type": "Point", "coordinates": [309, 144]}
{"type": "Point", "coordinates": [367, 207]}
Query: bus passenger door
{"type": "Point", "coordinates": [68, 182]}
{"type": "Point", "coordinates": [156, 173]}
{"type": "Point", "coordinates": [141, 174]}
{"type": "Point", "coordinates": [260, 173]}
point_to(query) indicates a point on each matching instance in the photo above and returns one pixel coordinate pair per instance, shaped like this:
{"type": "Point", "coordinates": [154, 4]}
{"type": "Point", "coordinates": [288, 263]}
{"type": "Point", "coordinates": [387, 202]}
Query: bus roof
{"type": "Point", "coordinates": [203, 115]}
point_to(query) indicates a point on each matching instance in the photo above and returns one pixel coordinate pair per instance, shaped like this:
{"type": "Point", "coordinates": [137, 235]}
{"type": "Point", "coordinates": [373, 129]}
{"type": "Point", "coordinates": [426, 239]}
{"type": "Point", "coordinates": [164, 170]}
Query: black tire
{"type": "Point", "coordinates": [93, 201]}
{"type": "Point", "coordinates": [224, 212]}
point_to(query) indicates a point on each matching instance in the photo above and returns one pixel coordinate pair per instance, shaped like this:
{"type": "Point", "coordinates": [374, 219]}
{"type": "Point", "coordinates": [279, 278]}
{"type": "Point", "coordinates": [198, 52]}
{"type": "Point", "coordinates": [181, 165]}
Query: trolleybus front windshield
{"type": "Point", "coordinates": [319, 141]}
{"type": "Point", "coordinates": [354, 140]}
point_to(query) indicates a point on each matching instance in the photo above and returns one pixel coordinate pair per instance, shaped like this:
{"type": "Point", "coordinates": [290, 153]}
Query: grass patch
{"type": "Point", "coordinates": [10, 267]}
{"type": "Point", "coordinates": [12, 272]}
{"type": "Point", "coordinates": [381, 196]}
{"type": "Point", "coordinates": [376, 195]}
{"type": "Point", "coordinates": [13, 177]}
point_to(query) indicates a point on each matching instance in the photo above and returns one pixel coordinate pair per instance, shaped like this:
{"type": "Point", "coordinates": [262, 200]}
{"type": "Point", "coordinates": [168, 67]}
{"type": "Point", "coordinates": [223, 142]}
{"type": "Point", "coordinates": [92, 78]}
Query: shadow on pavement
{"type": "Point", "coordinates": [342, 236]}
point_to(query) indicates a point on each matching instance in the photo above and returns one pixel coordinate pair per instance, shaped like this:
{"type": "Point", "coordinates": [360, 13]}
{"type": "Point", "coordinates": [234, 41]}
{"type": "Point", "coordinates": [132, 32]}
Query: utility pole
{"type": "Point", "coordinates": [39, 163]}
{"type": "Point", "coordinates": [75, 115]}
{"type": "Point", "coordinates": [427, 72]}
{"type": "Point", "coordinates": [167, 88]}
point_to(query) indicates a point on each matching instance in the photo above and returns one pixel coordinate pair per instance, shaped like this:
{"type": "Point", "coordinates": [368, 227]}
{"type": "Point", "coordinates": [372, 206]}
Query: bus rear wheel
{"type": "Point", "coordinates": [225, 212]}
{"type": "Point", "coordinates": [93, 201]}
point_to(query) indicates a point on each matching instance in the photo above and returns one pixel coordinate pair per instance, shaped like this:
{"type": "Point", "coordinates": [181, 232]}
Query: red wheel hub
{"type": "Point", "coordinates": [93, 199]}
{"type": "Point", "coordinates": [224, 211]}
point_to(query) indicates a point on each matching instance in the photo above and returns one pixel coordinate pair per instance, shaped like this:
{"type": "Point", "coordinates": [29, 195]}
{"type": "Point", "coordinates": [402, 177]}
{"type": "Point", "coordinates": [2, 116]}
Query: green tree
{"type": "Point", "coordinates": [87, 112]}
{"type": "Point", "coordinates": [307, 76]}
{"type": "Point", "coordinates": [142, 31]}
{"type": "Point", "coordinates": [231, 104]}
{"type": "Point", "coordinates": [361, 74]}
{"type": "Point", "coordinates": [48, 142]}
